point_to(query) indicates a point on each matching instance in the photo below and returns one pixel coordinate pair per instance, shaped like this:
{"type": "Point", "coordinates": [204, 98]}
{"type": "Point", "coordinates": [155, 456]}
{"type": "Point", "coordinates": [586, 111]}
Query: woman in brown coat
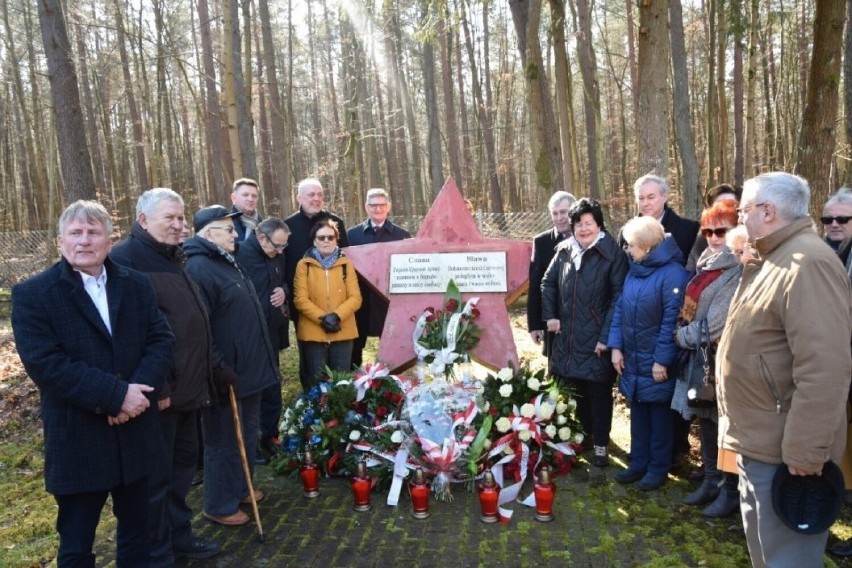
{"type": "Point", "coordinates": [326, 295]}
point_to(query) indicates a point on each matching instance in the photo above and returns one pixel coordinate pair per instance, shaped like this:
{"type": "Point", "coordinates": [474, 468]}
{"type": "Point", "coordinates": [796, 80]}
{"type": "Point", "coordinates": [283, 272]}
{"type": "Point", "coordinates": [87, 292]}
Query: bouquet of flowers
{"type": "Point", "coordinates": [444, 335]}
{"type": "Point", "coordinates": [343, 416]}
{"type": "Point", "coordinates": [440, 415]}
{"type": "Point", "coordinates": [533, 422]}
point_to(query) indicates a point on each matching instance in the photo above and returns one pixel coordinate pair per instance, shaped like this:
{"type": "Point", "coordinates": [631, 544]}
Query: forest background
{"type": "Point", "coordinates": [517, 99]}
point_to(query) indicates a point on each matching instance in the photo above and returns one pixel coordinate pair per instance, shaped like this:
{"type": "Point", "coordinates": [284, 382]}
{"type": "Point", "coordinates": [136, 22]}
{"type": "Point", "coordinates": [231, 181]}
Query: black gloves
{"type": "Point", "coordinates": [330, 322]}
{"type": "Point", "coordinates": [224, 377]}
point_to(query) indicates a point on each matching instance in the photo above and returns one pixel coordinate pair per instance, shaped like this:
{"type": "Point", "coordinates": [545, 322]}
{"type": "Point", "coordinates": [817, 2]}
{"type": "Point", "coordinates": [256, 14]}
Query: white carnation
{"type": "Point", "coordinates": [397, 437]}
{"type": "Point", "coordinates": [528, 410]}
{"type": "Point", "coordinates": [487, 444]}
{"type": "Point", "coordinates": [550, 430]}
{"type": "Point", "coordinates": [578, 438]}
{"type": "Point", "coordinates": [565, 433]}
{"type": "Point", "coordinates": [300, 402]}
{"type": "Point", "coordinates": [503, 425]}
{"type": "Point", "coordinates": [354, 435]}
{"type": "Point", "coordinates": [545, 410]}
{"type": "Point", "coordinates": [506, 391]}
{"type": "Point", "coordinates": [533, 383]}
{"type": "Point", "coordinates": [561, 420]}
{"type": "Point", "coordinates": [561, 408]}
{"type": "Point", "coordinates": [525, 435]}
{"type": "Point", "coordinates": [505, 374]}
{"type": "Point", "coordinates": [292, 432]}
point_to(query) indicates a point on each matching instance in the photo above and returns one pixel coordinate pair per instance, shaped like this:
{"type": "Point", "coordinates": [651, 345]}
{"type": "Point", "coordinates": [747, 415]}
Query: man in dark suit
{"type": "Point", "coordinates": [543, 249]}
{"type": "Point", "coordinates": [370, 317]}
{"type": "Point", "coordinates": [262, 255]}
{"type": "Point", "coordinates": [91, 337]}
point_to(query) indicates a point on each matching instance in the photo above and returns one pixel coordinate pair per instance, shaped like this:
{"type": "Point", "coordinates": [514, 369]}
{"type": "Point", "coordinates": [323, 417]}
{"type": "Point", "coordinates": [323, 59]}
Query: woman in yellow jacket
{"type": "Point", "coordinates": [326, 295]}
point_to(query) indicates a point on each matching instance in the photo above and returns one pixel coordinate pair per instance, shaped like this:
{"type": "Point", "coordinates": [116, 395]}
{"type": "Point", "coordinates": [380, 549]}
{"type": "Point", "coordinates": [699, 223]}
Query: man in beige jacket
{"type": "Point", "coordinates": [784, 362]}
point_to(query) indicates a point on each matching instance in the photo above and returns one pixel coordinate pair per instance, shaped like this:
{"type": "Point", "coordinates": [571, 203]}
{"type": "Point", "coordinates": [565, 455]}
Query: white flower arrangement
{"type": "Point", "coordinates": [506, 391]}
{"type": "Point", "coordinates": [565, 433]}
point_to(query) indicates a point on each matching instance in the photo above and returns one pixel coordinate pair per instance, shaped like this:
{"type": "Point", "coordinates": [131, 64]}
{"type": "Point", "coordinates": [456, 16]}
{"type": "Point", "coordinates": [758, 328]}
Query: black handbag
{"type": "Point", "coordinates": [701, 391]}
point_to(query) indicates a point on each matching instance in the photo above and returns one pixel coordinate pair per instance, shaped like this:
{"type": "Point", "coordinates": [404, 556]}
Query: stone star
{"type": "Point", "coordinates": [448, 227]}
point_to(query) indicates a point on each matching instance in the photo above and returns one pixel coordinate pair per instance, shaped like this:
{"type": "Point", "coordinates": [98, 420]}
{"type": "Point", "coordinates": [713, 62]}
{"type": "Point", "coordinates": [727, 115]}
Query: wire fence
{"type": "Point", "coordinates": [27, 253]}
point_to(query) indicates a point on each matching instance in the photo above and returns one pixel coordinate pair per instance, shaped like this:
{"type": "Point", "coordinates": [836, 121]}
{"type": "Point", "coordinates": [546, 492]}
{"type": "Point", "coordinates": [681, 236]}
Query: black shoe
{"type": "Point", "coordinates": [629, 476]}
{"type": "Point", "coordinates": [271, 446]}
{"type": "Point", "coordinates": [725, 504]}
{"type": "Point", "coordinates": [601, 458]}
{"type": "Point", "coordinates": [706, 492]}
{"type": "Point", "coordinates": [651, 482]}
{"type": "Point", "coordinates": [842, 549]}
{"type": "Point", "coordinates": [197, 549]}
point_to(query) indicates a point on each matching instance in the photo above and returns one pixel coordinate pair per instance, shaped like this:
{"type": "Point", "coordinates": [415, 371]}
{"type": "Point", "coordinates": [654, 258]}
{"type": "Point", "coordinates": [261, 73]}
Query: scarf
{"type": "Point", "coordinates": [328, 261]}
{"type": "Point", "coordinates": [250, 223]}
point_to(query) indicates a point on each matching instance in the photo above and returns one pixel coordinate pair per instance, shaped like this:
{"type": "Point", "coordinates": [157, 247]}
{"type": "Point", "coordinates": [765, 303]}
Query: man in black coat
{"type": "Point", "coordinates": [311, 198]}
{"type": "Point", "coordinates": [91, 337]}
{"type": "Point", "coordinates": [543, 250]}
{"type": "Point", "coordinates": [241, 342]}
{"type": "Point", "coordinates": [262, 255]}
{"type": "Point", "coordinates": [152, 247]}
{"type": "Point", "coordinates": [245, 197]}
{"type": "Point", "coordinates": [370, 317]}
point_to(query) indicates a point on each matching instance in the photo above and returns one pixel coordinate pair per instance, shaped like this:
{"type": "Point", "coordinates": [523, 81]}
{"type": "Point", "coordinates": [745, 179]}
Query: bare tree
{"type": "Point", "coordinates": [682, 119]}
{"type": "Point", "coordinates": [70, 128]}
{"type": "Point", "coordinates": [653, 115]}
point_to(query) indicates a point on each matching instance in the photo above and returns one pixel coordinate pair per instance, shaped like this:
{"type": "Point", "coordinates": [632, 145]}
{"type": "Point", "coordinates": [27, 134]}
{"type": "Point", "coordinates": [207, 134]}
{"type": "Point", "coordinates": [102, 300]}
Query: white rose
{"type": "Point", "coordinates": [506, 391]}
{"type": "Point", "coordinates": [528, 410]}
{"type": "Point", "coordinates": [354, 435]}
{"type": "Point", "coordinates": [525, 435]}
{"type": "Point", "coordinates": [533, 383]}
{"type": "Point", "coordinates": [572, 404]}
{"type": "Point", "coordinates": [505, 374]}
{"type": "Point", "coordinates": [550, 430]}
{"type": "Point", "coordinates": [561, 420]}
{"type": "Point", "coordinates": [545, 410]}
{"type": "Point", "coordinates": [397, 436]}
{"type": "Point", "coordinates": [565, 433]}
{"type": "Point", "coordinates": [561, 408]}
{"type": "Point", "coordinates": [487, 444]}
{"type": "Point", "coordinates": [578, 439]}
{"type": "Point", "coordinates": [503, 424]}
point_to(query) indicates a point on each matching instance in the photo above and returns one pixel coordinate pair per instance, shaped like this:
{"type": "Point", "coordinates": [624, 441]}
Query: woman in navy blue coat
{"type": "Point", "coordinates": [641, 338]}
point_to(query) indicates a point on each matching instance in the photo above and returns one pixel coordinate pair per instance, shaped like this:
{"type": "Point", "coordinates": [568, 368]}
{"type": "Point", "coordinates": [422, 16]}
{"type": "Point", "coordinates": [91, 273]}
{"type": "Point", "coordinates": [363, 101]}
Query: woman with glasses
{"type": "Point", "coordinates": [641, 338]}
{"type": "Point", "coordinates": [326, 295]}
{"type": "Point", "coordinates": [705, 307]}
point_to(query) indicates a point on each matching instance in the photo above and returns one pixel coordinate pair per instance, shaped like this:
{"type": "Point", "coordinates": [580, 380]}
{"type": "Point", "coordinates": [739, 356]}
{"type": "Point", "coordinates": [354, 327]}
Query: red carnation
{"type": "Point", "coordinates": [474, 312]}
{"type": "Point", "coordinates": [493, 411]}
{"type": "Point", "coordinates": [381, 412]}
{"type": "Point", "coordinates": [452, 305]}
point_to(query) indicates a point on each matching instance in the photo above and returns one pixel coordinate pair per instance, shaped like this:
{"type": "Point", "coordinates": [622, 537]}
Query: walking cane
{"type": "Point", "coordinates": [244, 459]}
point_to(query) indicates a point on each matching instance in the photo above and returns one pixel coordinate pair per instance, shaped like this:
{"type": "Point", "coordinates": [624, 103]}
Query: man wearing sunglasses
{"type": "Point", "coordinates": [262, 255]}
{"type": "Point", "coordinates": [836, 216]}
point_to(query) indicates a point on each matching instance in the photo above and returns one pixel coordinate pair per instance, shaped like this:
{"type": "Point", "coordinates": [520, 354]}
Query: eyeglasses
{"type": "Point", "coordinates": [719, 232]}
{"type": "Point", "coordinates": [229, 230]}
{"type": "Point", "coordinates": [747, 208]}
{"type": "Point", "coordinates": [326, 238]}
{"type": "Point", "coordinates": [279, 248]}
{"type": "Point", "coordinates": [841, 220]}
{"type": "Point", "coordinates": [377, 205]}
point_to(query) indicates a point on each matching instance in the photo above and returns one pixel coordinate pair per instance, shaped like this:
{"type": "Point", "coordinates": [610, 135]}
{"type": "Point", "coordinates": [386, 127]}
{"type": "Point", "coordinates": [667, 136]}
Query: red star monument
{"type": "Point", "coordinates": [448, 228]}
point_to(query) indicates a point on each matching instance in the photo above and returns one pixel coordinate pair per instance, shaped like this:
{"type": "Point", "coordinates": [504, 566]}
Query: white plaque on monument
{"type": "Point", "coordinates": [430, 273]}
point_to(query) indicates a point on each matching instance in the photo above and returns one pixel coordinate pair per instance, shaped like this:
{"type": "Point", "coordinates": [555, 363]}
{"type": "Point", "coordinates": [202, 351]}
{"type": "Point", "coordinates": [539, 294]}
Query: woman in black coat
{"type": "Point", "coordinates": [579, 292]}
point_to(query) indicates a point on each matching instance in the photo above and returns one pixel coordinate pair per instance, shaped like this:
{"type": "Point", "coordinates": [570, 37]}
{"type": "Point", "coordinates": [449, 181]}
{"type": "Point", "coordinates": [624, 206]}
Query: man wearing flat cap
{"type": "Point", "coordinates": [241, 341]}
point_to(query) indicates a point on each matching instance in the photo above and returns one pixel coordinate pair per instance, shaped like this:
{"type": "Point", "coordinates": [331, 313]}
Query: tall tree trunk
{"type": "Point", "coordinates": [633, 63]}
{"type": "Point", "coordinates": [817, 135]}
{"type": "Point", "coordinates": [682, 120]}
{"type": "Point", "coordinates": [70, 128]}
{"type": "Point", "coordinates": [591, 95]}
{"type": "Point", "coordinates": [265, 162]}
{"type": "Point", "coordinates": [712, 101]}
{"type": "Point", "coordinates": [847, 92]}
{"type": "Point", "coordinates": [436, 165]}
{"type": "Point", "coordinates": [653, 117]}
{"type": "Point", "coordinates": [451, 128]}
{"type": "Point", "coordinates": [132, 107]}
{"type": "Point", "coordinates": [214, 112]}
{"type": "Point", "coordinates": [738, 25]}
{"type": "Point", "coordinates": [750, 143]}
{"type": "Point", "coordinates": [564, 92]}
